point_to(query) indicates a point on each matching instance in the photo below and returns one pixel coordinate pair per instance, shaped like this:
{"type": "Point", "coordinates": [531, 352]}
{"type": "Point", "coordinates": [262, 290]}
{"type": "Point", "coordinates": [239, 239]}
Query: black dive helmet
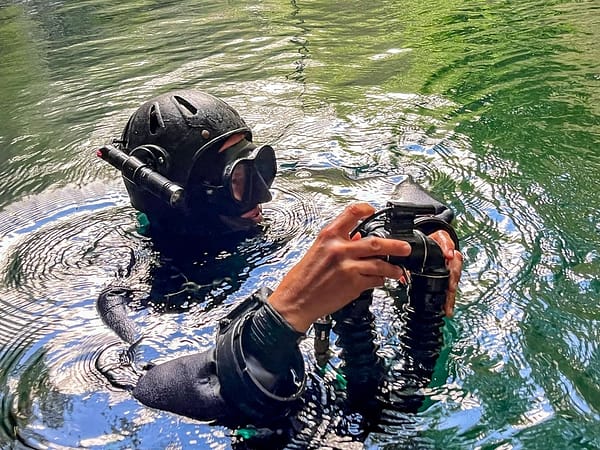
{"type": "Point", "coordinates": [173, 170]}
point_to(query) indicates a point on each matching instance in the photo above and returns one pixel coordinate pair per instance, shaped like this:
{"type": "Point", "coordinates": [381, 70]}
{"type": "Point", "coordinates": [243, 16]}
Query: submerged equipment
{"type": "Point", "coordinates": [411, 217]}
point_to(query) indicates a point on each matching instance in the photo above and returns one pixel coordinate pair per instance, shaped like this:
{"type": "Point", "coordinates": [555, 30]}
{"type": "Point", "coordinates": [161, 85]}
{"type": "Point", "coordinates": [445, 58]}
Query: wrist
{"type": "Point", "coordinates": [258, 363]}
{"type": "Point", "coordinates": [289, 306]}
{"type": "Point", "coordinates": [271, 339]}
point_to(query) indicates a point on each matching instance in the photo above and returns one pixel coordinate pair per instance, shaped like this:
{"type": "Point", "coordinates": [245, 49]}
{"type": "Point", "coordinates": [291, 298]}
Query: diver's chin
{"type": "Point", "coordinates": [247, 221]}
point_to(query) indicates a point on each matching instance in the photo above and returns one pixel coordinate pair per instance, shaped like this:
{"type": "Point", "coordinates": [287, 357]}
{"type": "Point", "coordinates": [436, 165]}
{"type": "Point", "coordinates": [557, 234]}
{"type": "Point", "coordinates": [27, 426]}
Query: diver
{"type": "Point", "coordinates": [190, 166]}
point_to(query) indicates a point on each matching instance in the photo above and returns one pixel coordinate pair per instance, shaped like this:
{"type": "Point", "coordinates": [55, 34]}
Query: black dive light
{"type": "Point", "coordinates": [143, 175]}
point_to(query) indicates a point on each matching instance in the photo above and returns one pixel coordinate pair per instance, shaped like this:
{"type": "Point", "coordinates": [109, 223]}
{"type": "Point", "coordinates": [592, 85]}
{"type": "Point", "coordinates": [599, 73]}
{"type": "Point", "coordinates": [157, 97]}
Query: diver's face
{"type": "Point", "coordinates": [249, 219]}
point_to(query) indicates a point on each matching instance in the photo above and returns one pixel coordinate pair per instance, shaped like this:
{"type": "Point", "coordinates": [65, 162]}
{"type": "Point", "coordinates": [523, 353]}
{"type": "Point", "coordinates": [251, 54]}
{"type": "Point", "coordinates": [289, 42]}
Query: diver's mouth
{"type": "Point", "coordinates": [255, 214]}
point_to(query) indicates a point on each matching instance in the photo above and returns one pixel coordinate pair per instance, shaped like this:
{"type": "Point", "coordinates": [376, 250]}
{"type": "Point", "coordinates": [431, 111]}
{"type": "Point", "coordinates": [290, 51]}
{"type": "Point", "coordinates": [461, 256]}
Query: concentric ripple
{"type": "Point", "coordinates": [59, 361]}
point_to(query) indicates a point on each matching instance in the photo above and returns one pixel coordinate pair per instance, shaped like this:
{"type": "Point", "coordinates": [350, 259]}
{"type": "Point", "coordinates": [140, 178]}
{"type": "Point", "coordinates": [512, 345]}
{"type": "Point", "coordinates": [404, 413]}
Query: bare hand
{"type": "Point", "coordinates": [454, 263]}
{"type": "Point", "coordinates": [335, 270]}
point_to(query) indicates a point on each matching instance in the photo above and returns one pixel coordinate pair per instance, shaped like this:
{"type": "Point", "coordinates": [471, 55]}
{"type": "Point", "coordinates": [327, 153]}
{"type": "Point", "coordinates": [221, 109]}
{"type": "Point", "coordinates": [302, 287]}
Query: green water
{"type": "Point", "coordinates": [493, 105]}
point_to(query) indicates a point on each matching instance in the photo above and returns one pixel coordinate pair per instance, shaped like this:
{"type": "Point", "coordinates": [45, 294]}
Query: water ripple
{"type": "Point", "coordinates": [492, 106]}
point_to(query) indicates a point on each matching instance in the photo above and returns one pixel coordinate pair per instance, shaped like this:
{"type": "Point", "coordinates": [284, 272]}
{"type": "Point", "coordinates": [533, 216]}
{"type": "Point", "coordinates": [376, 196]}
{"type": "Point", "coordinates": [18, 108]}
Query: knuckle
{"type": "Point", "coordinates": [354, 209]}
{"type": "Point", "coordinates": [327, 233]}
{"type": "Point", "coordinates": [337, 248]}
{"type": "Point", "coordinates": [374, 244]}
{"type": "Point", "coordinates": [334, 252]}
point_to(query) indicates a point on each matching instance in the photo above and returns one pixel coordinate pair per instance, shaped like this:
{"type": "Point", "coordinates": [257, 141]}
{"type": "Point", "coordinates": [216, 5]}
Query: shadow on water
{"type": "Point", "coordinates": [493, 106]}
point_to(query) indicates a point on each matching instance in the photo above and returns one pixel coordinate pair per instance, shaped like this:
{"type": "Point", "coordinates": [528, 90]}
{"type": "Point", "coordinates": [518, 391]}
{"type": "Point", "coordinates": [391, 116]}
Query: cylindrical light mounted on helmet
{"type": "Point", "coordinates": [143, 175]}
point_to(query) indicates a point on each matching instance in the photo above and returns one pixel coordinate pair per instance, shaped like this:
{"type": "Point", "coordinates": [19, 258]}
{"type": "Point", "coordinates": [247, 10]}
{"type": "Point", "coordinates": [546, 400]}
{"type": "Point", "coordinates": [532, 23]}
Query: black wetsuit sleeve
{"type": "Point", "coordinates": [112, 308]}
{"type": "Point", "coordinates": [188, 386]}
{"type": "Point", "coordinates": [254, 374]}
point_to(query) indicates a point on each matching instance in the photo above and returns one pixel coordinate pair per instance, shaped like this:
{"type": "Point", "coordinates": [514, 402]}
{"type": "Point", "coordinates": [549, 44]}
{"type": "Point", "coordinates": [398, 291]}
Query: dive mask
{"type": "Point", "coordinates": [247, 174]}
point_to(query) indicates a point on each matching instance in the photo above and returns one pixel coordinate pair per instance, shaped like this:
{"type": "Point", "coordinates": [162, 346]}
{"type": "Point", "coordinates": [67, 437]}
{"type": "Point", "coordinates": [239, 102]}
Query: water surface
{"type": "Point", "coordinates": [493, 106]}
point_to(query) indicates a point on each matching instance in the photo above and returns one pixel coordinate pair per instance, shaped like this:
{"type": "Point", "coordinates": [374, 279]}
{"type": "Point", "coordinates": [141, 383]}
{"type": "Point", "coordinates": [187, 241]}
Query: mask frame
{"type": "Point", "coordinates": [258, 169]}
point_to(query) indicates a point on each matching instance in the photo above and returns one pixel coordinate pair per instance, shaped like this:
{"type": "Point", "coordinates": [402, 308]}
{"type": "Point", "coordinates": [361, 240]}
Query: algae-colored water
{"type": "Point", "coordinates": [494, 106]}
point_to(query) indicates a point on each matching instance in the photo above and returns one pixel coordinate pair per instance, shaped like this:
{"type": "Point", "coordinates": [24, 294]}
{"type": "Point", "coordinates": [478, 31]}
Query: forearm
{"type": "Point", "coordinates": [255, 373]}
{"type": "Point", "coordinates": [257, 354]}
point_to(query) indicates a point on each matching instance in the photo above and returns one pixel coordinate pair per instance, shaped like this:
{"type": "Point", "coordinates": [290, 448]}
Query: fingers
{"type": "Point", "coordinates": [454, 262]}
{"type": "Point", "coordinates": [450, 298]}
{"type": "Point", "coordinates": [367, 282]}
{"type": "Point", "coordinates": [443, 239]}
{"type": "Point", "coordinates": [376, 267]}
{"type": "Point", "coordinates": [375, 246]}
{"type": "Point", "coordinates": [455, 266]}
{"type": "Point", "coordinates": [347, 220]}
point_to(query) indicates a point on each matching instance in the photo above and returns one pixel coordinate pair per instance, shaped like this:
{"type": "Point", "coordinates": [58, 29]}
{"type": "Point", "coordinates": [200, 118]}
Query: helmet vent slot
{"type": "Point", "coordinates": [156, 120]}
{"type": "Point", "coordinates": [187, 105]}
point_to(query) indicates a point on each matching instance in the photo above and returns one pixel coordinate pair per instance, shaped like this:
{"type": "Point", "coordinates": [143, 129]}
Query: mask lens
{"type": "Point", "coordinates": [248, 179]}
{"type": "Point", "coordinates": [239, 179]}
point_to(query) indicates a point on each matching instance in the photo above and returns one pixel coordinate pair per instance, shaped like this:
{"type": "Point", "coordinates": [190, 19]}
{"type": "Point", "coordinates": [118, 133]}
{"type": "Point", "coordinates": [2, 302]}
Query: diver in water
{"type": "Point", "coordinates": [189, 164]}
